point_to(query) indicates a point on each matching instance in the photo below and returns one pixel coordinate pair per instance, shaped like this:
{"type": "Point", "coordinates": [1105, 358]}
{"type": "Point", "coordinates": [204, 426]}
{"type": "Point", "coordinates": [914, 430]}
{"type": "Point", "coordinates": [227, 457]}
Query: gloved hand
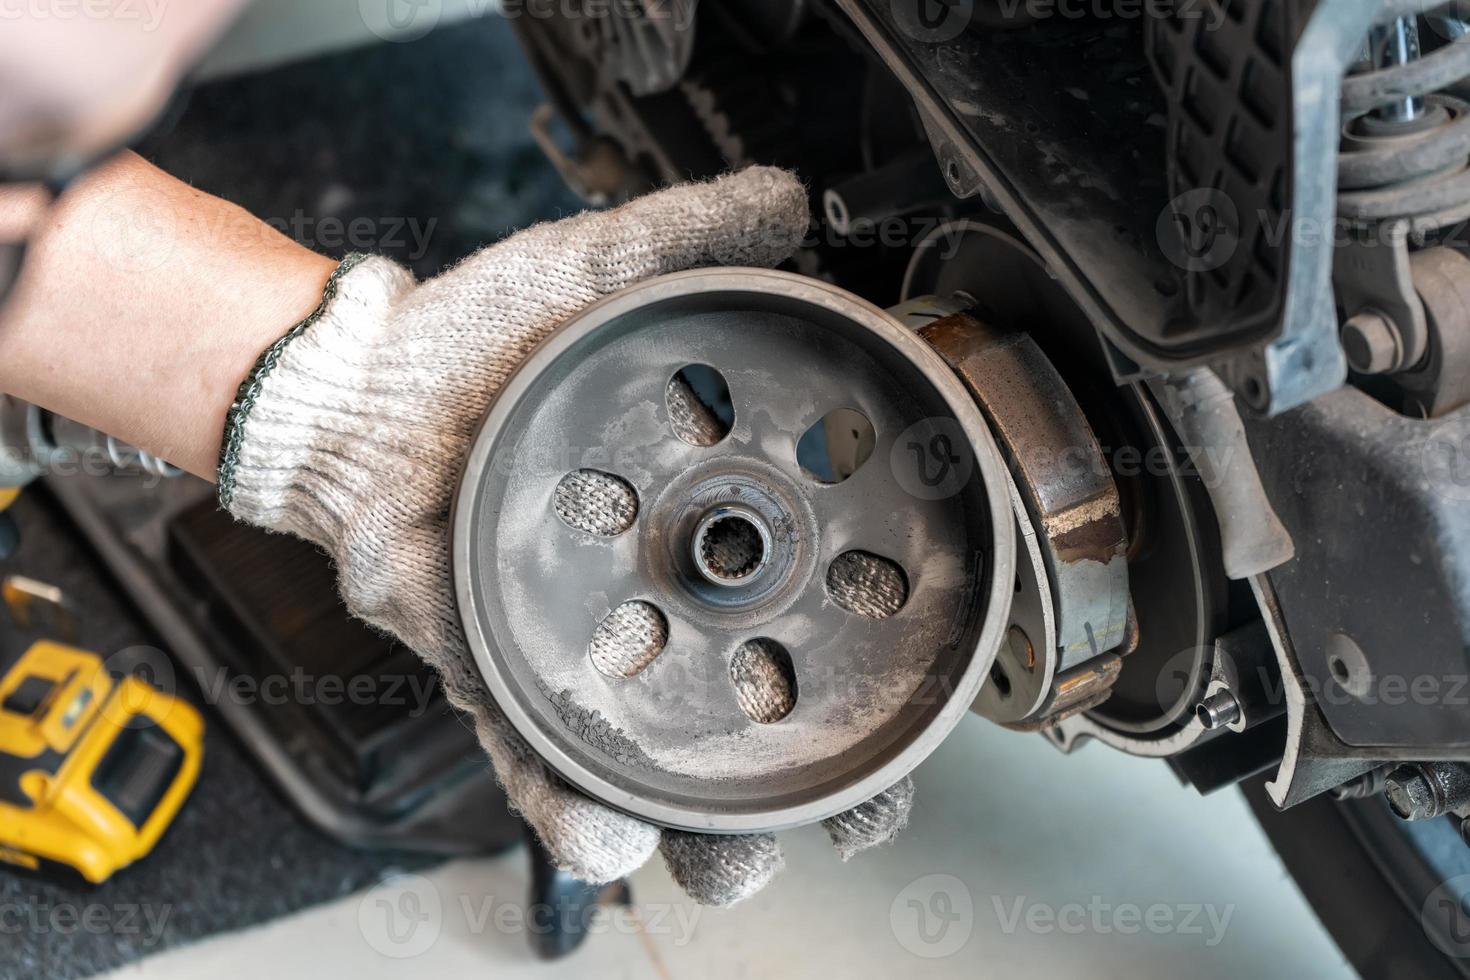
{"type": "Point", "coordinates": [351, 431]}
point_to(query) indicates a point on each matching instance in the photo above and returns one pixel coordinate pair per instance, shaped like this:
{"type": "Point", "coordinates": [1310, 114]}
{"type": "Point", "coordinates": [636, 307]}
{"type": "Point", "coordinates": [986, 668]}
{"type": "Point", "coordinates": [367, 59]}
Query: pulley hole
{"type": "Point", "coordinates": [595, 502]}
{"type": "Point", "coordinates": [1255, 391]}
{"type": "Point", "coordinates": [867, 584]}
{"type": "Point", "coordinates": [628, 639]}
{"type": "Point", "coordinates": [700, 409]}
{"type": "Point", "coordinates": [1339, 669]}
{"type": "Point", "coordinates": [835, 208]}
{"type": "Point", "coordinates": [764, 679]}
{"type": "Point", "coordinates": [1000, 681]}
{"type": "Point", "coordinates": [836, 445]}
{"type": "Point", "coordinates": [1022, 652]}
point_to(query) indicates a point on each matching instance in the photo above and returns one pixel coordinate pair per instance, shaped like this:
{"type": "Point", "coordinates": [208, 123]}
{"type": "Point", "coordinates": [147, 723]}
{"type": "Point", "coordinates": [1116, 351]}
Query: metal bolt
{"type": "Point", "coordinates": [1410, 793]}
{"type": "Point", "coordinates": [1369, 784]}
{"type": "Point", "coordinates": [1371, 342]}
{"type": "Point", "coordinates": [1392, 44]}
{"type": "Point", "coordinates": [1219, 710]}
{"type": "Point", "coordinates": [1423, 790]}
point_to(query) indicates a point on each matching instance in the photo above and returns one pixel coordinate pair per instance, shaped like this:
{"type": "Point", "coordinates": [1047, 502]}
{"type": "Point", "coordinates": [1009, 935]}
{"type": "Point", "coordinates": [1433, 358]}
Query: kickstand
{"type": "Point", "coordinates": [562, 907]}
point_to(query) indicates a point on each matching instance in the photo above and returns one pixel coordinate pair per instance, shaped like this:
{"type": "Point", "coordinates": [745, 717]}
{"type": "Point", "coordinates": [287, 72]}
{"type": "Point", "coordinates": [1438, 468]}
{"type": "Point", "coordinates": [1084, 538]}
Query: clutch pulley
{"type": "Point", "coordinates": [734, 550]}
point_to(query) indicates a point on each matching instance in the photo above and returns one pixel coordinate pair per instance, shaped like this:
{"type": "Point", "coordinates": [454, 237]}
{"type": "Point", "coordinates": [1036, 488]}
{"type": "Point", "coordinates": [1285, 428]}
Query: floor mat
{"type": "Point", "coordinates": [237, 855]}
{"type": "Point", "coordinates": [420, 151]}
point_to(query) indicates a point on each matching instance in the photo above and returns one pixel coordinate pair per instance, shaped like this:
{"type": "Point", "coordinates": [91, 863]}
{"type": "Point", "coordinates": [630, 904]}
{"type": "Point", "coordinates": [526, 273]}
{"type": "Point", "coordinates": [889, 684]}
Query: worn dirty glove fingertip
{"type": "Point", "coordinates": [768, 216]}
{"type": "Point", "coordinates": [720, 870]}
{"type": "Point", "coordinates": [875, 822]}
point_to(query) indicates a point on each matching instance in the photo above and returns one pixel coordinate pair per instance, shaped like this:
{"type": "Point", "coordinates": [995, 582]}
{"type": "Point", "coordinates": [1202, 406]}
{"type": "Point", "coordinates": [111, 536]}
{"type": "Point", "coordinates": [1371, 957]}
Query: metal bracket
{"type": "Point", "coordinates": [1372, 275]}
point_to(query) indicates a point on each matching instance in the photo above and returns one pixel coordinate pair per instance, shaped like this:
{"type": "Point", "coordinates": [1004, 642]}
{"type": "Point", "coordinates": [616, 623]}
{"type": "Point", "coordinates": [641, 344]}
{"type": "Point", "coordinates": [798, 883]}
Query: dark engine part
{"type": "Point", "coordinates": [1190, 219]}
{"type": "Point", "coordinates": [1404, 527]}
{"type": "Point", "coordinates": [1165, 215]}
{"type": "Point", "coordinates": [1404, 198]}
{"type": "Point", "coordinates": [1171, 262]}
{"type": "Point", "coordinates": [1173, 201]}
{"type": "Point", "coordinates": [1180, 597]}
{"type": "Point", "coordinates": [759, 89]}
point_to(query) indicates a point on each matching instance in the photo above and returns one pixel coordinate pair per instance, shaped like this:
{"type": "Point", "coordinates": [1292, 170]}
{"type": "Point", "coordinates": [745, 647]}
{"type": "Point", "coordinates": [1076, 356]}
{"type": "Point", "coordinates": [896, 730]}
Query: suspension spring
{"type": "Point", "coordinates": [1406, 141]}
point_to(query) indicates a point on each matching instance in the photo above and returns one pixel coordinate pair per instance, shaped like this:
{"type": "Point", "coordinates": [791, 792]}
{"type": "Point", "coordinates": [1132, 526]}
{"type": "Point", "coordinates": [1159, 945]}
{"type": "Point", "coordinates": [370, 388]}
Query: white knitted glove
{"type": "Point", "coordinates": [351, 431]}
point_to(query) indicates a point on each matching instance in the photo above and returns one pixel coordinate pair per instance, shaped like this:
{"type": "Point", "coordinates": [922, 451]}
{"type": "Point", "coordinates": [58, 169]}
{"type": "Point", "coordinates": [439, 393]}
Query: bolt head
{"type": "Point", "coordinates": [1372, 344]}
{"type": "Point", "coordinates": [1409, 793]}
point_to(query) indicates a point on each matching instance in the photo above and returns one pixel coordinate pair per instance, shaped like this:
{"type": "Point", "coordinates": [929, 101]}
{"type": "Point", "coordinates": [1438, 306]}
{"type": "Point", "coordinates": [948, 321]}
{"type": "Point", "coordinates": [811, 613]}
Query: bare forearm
{"type": "Point", "coordinates": [142, 305]}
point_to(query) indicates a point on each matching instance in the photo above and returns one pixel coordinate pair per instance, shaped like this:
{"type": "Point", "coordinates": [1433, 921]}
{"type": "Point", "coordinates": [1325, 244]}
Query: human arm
{"type": "Point", "coordinates": [348, 395]}
{"type": "Point", "coordinates": [142, 304]}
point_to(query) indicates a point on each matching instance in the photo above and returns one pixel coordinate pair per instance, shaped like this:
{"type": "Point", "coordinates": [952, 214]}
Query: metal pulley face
{"type": "Point", "coordinates": [734, 550]}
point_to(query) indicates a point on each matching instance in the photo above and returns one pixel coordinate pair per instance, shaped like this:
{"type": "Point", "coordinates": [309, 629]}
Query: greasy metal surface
{"type": "Point", "coordinates": [873, 697]}
{"type": "Point", "coordinates": [1172, 539]}
{"type": "Point", "coordinates": [1243, 670]}
{"type": "Point", "coordinates": [1078, 166]}
{"type": "Point", "coordinates": [1441, 382]}
{"type": "Point", "coordinates": [702, 552]}
{"type": "Point", "coordinates": [1072, 733]}
{"type": "Point", "coordinates": [1080, 689]}
{"type": "Point", "coordinates": [1314, 760]}
{"type": "Point", "coordinates": [1061, 475]}
{"type": "Point", "coordinates": [1306, 360]}
{"type": "Point", "coordinates": [1374, 275]}
{"type": "Point", "coordinates": [1021, 677]}
{"type": "Point", "coordinates": [1204, 414]}
{"type": "Point", "coordinates": [1384, 501]}
{"type": "Point", "coordinates": [1026, 662]}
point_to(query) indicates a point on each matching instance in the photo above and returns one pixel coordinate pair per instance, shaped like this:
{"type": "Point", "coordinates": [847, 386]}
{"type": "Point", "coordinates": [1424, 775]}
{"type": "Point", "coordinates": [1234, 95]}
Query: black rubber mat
{"type": "Point", "coordinates": [419, 152]}
{"type": "Point", "coordinates": [236, 856]}
{"type": "Point", "coordinates": [279, 593]}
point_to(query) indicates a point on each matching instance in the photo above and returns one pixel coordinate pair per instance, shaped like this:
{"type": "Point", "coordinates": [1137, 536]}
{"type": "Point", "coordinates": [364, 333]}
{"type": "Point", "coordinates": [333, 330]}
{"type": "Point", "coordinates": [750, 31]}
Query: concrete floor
{"type": "Point", "coordinates": [1020, 862]}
